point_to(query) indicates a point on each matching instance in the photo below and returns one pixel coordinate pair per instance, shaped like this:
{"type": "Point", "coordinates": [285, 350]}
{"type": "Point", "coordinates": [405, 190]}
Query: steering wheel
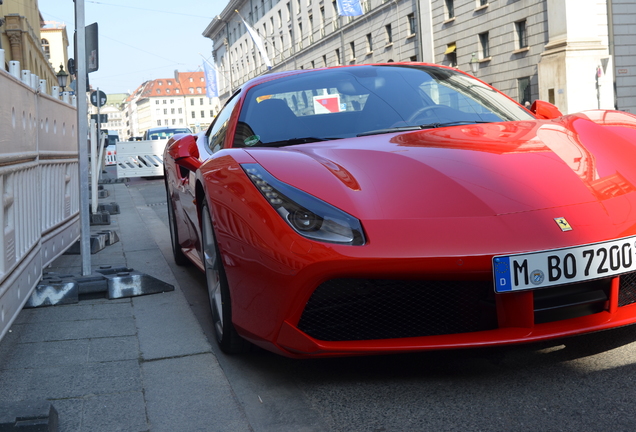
{"type": "Point", "coordinates": [427, 109]}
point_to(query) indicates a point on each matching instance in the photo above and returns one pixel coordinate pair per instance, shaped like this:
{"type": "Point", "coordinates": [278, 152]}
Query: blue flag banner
{"type": "Point", "coordinates": [349, 7]}
{"type": "Point", "coordinates": [211, 88]}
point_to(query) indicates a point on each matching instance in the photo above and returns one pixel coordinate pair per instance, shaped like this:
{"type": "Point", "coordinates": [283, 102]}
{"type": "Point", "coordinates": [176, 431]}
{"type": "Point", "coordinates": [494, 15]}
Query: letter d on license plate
{"type": "Point", "coordinates": [564, 266]}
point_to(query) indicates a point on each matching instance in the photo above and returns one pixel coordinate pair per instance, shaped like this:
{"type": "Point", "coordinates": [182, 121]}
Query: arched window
{"type": "Point", "coordinates": [46, 48]}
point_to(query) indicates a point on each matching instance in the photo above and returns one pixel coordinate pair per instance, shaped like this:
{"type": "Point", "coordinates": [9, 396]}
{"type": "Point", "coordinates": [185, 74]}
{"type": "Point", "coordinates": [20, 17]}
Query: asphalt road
{"type": "Point", "coordinates": [585, 383]}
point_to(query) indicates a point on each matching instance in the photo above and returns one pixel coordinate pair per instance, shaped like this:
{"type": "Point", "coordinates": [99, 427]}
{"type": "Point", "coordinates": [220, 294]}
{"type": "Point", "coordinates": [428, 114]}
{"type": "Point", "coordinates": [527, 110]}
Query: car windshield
{"type": "Point", "coordinates": [366, 100]}
{"type": "Point", "coordinates": [166, 133]}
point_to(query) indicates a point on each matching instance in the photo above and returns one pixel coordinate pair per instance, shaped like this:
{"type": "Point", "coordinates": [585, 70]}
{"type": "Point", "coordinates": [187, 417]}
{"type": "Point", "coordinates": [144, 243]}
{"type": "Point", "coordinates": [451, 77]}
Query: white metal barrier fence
{"type": "Point", "coordinates": [39, 186]}
{"type": "Point", "coordinates": [140, 158]}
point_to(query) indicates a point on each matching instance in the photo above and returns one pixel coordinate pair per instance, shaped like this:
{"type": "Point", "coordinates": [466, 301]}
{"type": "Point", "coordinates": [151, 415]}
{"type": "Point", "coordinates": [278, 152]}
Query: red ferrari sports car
{"type": "Point", "coordinates": [403, 207]}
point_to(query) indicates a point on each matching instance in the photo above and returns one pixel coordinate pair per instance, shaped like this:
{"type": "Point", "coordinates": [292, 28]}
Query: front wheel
{"type": "Point", "coordinates": [218, 290]}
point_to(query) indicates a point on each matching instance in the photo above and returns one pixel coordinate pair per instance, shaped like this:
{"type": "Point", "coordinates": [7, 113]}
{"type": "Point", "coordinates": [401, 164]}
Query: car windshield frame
{"type": "Point", "coordinates": [336, 103]}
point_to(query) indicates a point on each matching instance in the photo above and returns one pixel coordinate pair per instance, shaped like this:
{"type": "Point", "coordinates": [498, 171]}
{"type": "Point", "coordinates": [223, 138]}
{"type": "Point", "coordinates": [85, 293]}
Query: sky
{"type": "Point", "coordinates": [141, 40]}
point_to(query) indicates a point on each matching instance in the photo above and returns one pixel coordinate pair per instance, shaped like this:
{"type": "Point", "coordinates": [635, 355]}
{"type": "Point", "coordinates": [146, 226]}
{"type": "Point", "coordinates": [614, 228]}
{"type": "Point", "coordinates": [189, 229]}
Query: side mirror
{"type": "Point", "coordinates": [545, 110]}
{"type": "Point", "coordinates": [185, 152]}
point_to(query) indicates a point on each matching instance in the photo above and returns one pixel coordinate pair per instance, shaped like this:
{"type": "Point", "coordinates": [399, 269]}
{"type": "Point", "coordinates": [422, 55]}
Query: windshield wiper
{"type": "Point", "coordinates": [452, 123]}
{"type": "Point", "coordinates": [390, 130]}
{"type": "Point", "coordinates": [292, 141]}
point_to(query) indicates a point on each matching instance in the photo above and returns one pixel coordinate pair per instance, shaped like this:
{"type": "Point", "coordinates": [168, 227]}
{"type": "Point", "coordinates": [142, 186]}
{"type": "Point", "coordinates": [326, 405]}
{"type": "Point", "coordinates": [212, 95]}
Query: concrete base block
{"type": "Point", "coordinates": [112, 283]}
{"type": "Point", "coordinates": [111, 208]}
{"type": "Point", "coordinates": [98, 242]}
{"type": "Point", "coordinates": [28, 416]}
{"type": "Point", "coordinates": [100, 218]}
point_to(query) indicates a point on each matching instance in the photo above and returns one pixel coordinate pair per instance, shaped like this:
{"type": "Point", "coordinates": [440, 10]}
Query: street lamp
{"type": "Point", "coordinates": [474, 64]}
{"type": "Point", "coordinates": [62, 77]}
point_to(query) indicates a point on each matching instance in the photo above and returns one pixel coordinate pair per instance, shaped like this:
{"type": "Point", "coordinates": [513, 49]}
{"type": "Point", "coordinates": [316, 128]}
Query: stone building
{"type": "Point", "coordinates": [21, 39]}
{"type": "Point", "coordinates": [577, 54]}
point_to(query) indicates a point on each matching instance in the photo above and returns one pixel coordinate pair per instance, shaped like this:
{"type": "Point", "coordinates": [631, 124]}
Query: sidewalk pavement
{"type": "Point", "coordinates": [134, 364]}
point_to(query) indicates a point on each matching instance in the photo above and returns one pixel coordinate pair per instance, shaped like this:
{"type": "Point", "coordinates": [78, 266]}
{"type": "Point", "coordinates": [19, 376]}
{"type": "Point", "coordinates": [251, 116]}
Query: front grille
{"type": "Point", "coordinates": [627, 289]}
{"type": "Point", "coordinates": [365, 309]}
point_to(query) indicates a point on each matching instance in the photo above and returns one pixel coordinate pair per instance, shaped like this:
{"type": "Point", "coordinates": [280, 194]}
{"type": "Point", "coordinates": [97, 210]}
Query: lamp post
{"type": "Point", "coordinates": [474, 64]}
{"type": "Point", "coordinates": [62, 77]}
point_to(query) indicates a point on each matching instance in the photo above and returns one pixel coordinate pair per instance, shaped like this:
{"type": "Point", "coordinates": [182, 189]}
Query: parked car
{"type": "Point", "coordinates": [163, 133]}
{"type": "Point", "coordinates": [387, 208]}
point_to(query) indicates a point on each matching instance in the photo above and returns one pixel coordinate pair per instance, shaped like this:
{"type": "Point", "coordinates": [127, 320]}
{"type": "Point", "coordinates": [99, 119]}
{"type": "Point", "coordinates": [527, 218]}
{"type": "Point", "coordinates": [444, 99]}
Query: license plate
{"type": "Point", "coordinates": [564, 266]}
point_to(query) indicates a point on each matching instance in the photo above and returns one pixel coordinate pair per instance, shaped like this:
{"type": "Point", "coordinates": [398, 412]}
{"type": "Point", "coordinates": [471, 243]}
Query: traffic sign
{"type": "Point", "coordinates": [98, 99]}
{"type": "Point", "coordinates": [103, 118]}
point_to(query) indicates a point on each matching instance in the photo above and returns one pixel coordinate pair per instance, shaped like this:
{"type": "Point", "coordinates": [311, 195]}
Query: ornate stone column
{"type": "Point", "coordinates": [14, 33]}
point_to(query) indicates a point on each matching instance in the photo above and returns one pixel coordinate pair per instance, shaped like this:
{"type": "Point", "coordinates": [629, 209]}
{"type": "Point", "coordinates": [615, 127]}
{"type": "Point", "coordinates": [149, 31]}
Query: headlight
{"type": "Point", "coordinates": [306, 214]}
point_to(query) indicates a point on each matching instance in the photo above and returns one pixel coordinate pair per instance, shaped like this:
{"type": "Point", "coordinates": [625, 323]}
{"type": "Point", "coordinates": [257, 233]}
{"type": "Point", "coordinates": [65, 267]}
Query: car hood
{"type": "Point", "coordinates": [472, 170]}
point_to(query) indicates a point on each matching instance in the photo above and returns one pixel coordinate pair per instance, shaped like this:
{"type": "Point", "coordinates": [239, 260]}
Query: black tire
{"type": "Point", "coordinates": [179, 257]}
{"type": "Point", "coordinates": [218, 290]}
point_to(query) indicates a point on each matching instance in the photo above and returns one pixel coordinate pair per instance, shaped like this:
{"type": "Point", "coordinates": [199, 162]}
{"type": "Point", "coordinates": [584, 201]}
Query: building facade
{"type": "Point", "coordinates": [577, 54]}
{"type": "Point", "coordinates": [54, 40]}
{"type": "Point", "coordinates": [177, 102]}
{"type": "Point", "coordinates": [21, 40]}
{"type": "Point", "coordinates": [304, 34]}
{"type": "Point", "coordinates": [622, 25]}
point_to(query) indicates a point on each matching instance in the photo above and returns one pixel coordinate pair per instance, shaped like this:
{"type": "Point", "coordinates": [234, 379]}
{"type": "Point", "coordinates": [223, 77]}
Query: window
{"type": "Point", "coordinates": [313, 64]}
{"type": "Point", "coordinates": [174, 121]}
{"type": "Point", "coordinates": [449, 9]}
{"type": "Point", "coordinates": [180, 110]}
{"type": "Point", "coordinates": [484, 45]}
{"type": "Point", "coordinates": [165, 111]}
{"type": "Point", "coordinates": [411, 20]}
{"type": "Point", "coordinates": [193, 114]}
{"type": "Point", "coordinates": [46, 47]}
{"type": "Point", "coordinates": [191, 101]}
{"type": "Point", "coordinates": [451, 54]}
{"type": "Point", "coordinates": [202, 113]}
{"type": "Point", "coordinates": [167, 90]}
{"type": "Point", "coordinates": [200, 101]}
{"type": "Point", "coordinates": [369, 43]}
{"type": "Point", "coordinates": [158, 122]}
{"type": "Point", "coordinates": [525, 90]}
{"type": "Point", "coordinates": [389, 34]}
{"type": "Point", "coordinates": [164, 101]}
{"type": "Point", "coordinates": [191, 79]}
{"type": "Point", "coordinates": [337, 56]}
{"type": "Point", "coordinates": [216, 134]}
{"type": "Point", "coordinates": [335, 14]}
{"type": "Point", "coordinates": [171, 110]}
{"type": "Point", "coordinates": [324, 60]}
{"type": "Point", "coordinates": [211, 113]}
{"type": "Point", "coordinates": [160, 82]}
{"type": "Point", "coordinates": [352, 46]}
{"type": "Point", "coordinates": [300, 35]}
{"type": "Point", "coordinates": [522, 35]}
{"type": "Point", "coordinates": [280, 18]}
{"type": "Point", "coordinates": [158, 91]}
{"type": "Point", "coordinates": [482, 3]}
{"type": "Point", "coordinates": [171, 101]}
{"type": "Point", "coordinates": [157, 102]}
